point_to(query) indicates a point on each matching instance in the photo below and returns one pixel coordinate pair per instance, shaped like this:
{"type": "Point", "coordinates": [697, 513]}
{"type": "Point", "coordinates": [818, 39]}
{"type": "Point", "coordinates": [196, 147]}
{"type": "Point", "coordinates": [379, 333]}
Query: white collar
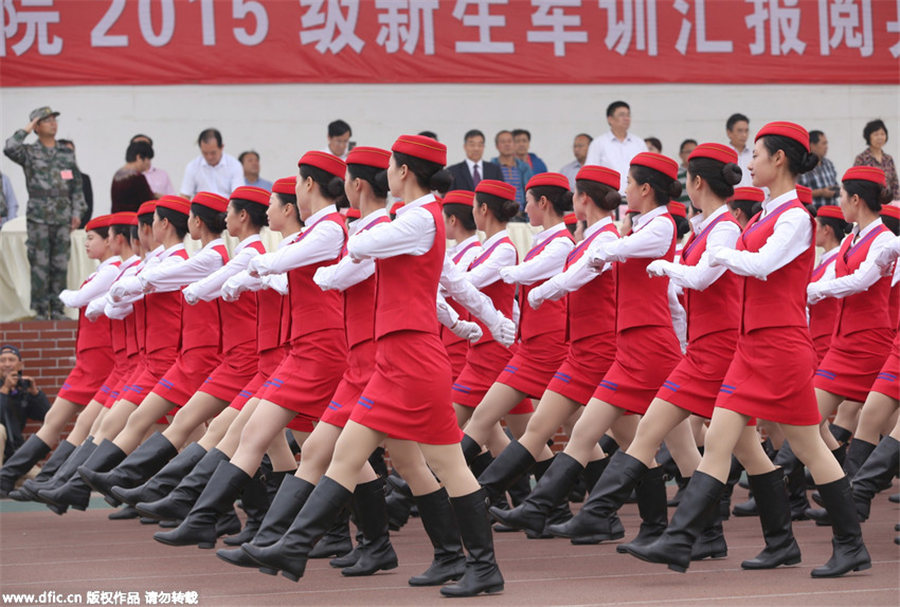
{"type": "Point", "coordinates": [498, 236]}
{"type": "Point", "coordinates": [131, 261]}
{"type": "Point", "coordinates": [612, 137]}
{"type": "Point", "coordinates": [776, 202]}
{"type": "Point", "coordinates": [644, 218]}
{"type": "Point", "coordinates": [111, 260]}
{"type": "Point", "coordinates": [594, 228]}
{"type": "Point", "coordinates": [700, 221]}
{"type": "Point", "coordinates": [312, 219]}
{"type": "Point", "coordinates": [365, 222]}
{"type": "Point", "coordinates": [172, 250]}
{"type": "Point", "coordinates": [288, 239]}
{"type": "Point", "coordinates": [465, 243]}
{"type": "Point", "coordinates": [212, 243]}
{"type": "Point", "coordinates": [545, 234]}
{"type": "Point", "coordinates": [250, 239]}
{"type": "Point", "coordinates": [418, 202]}
{"type": "Point", "coordinates": [472, 163]}
{"type": "Point", "coordinates": [860, 233]}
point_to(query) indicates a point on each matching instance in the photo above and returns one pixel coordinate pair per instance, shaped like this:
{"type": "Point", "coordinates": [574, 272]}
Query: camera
{"type": "Point", "coordinates": [23, 385]}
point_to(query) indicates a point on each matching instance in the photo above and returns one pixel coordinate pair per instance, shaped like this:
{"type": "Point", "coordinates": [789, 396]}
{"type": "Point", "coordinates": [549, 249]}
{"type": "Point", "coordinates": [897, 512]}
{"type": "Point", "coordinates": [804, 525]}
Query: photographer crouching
{"type": "Point", "coordinates": [20, 400]}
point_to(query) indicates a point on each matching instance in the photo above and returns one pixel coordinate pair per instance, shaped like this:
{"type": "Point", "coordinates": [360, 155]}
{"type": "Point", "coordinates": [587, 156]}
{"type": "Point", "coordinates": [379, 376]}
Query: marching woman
{"type": "Point", "coordinates": [408, 396]}
{"type": "Point", "coordinates": [162, 309]}
{"type": "Point", "coordinates": [306, 379]}
{"type": "Point", "coordinates": [244, 215]}
{"type": "Point", "coordinates": [93, 363]}
{"type": "Point", "coordinates": [746, 203]}
{"type": "Point", "coordinates": [775, 256]}
{"type": "Point", "coordinates": [831, 227]}
{"type": "Point", "coordinates": [864, 326]}
{"type": "Point", "coordinates": [590, 329]}
{"type": "Point", "coordinates": [542, 347]}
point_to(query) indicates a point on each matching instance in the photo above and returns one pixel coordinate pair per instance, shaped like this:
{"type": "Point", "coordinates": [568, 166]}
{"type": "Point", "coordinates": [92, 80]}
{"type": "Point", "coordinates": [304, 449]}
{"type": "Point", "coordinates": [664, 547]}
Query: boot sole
{"type": "Point", "coordinates": [673, 566]}
{"type": "Point", "coordinates": [489, 590]}
{"type": "Point", "coordinates": [787, 563]}
{"type": "Point", "coordinates": [386, 567]}
{"type": "Point", "coordinates": [590, 540]}
{"type": "Point", "coordinates": [201, 545]}
{"type": "Point", "coordinates": [860, 567]}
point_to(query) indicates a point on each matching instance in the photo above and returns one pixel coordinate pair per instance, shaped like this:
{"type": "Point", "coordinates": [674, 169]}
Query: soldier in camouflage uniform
{"type": "Point", "coordinates": [55, 204]}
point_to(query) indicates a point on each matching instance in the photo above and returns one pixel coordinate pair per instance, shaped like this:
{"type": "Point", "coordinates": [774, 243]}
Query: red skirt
{"type": "Point", "coordinates": [268, 362]}
{"type": "Point", "coordinates": [534, 363]}
{"type": "Point", "coordinates": [484, 363]}
{"type": "Point", "coordinates": [300, 424]}
{"type": "Point", "coordinates": [645, 357]}
{"type": "Point", "coordinates": [121, 373]}
{"type": "Point", "coordinates": [853, 363]}
{"type": "Point", "coordinates": [147, 375]}
{"type": "Point", "coordinates": [695, 382]}
{"type": "Point", "coordinates": [308, 376]}
{"type": "Point", "coordinates": [457, 352]}
{"type": "Point", "coordinates": [886, 382]}
{"type": "Point", "coordinates": [821, 344]}
{"type": "Point", "coordinates": [234, 372]}
{"type": "Point", "coordinates": [587, 363]}
{"type": "Point", "coordinates": [525, 406]}
{"type": "Point", "coordinates": [360, 366]}
{"type": "Point", "coordinates": [771, 377]}
{"type": "Point", "coordinates": [92, 367]}
{"type": "Point", "coordinates": [408, 397]}
{"type": "Point", "coordinates": [187, 374]}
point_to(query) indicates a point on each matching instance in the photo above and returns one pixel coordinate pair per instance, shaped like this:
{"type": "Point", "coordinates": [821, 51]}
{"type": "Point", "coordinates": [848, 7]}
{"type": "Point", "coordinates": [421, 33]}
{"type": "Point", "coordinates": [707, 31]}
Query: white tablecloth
{"type": "Point", "coordinates": [15, 278]}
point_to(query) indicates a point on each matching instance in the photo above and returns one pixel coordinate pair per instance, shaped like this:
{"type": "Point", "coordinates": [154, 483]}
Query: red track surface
{"type": "Point", "coordinates": [81, 552]}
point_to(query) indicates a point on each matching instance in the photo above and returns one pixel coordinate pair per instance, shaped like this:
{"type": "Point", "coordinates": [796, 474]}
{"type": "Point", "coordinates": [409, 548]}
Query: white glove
{"type": "Point", "coordinates": [503, 331]}
{"type": "Point", "coordinates": [94, 309]}
{"type": "Point", "coordinates": [467, 330]}
{"type": "Point", "coordinates": [66, 296]}
{"type": "Point", "coordinates": [124, 287]}
{"type": "Point", "coordinates": [231, 290]}
{"type": "Point", "coordinates": [719, 256]}
{"type": "Point", "coordinates": [888, 254]}
{"type": "Point", "coordinates": [535, 299]}
{"type": "Point", "coordinates": [813, 294]}
{"type": "Point", "coordinates": [190, 294]}
{"type": "Point", "coordinates": [595, 259]}
{"type": "Point", "coordinates": [655, 268]}
{"type": "Point", "coordinates": [260, 265]}
{"type": "Point", "coordinates": [506, 274]}
{"type": "Point", "coordinates": [323, 275]}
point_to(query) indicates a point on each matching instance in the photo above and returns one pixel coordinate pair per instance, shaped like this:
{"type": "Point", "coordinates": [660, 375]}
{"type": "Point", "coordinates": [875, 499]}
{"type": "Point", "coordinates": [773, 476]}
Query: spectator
{"type": "Point", "coordinates": [522, 141]}
{"type": "Point", "coordinates": [687, 146]}
{"type": "Point", "coordinates": [129, 189]}
{"type": "Point", "coordinates": [616, 148]}
{"type": "Point", "coordinates": [737, 127]}
{"type": "Point", "coordinates": [579, 149]}
{"type": "Point", "coordinates": [20, 400]}
{"type": "Point", "coordinates": [86, 185]}
{"type": "Point", "coordinates": [653, 145]}
{"type": "Point", "coordinates": [9, 206]}
{"type": "Point", "coordinates": [250, 163]}
{"type": "Point", "coordinates": [876, 135]}
{"type": "Point", "coordinates": [159, 181]}
{"type": "Point", "coordinates": [55, 206]}
{"type": "Point", "coordinates": [473, 169]}
{"type": "Point", "coordinates": [515, 172]}
{"type": "Point", "coordinates": [213, 170]}
{"type": "Point", "coordinates": [339, 134]}
{"type": "Point", "coordinates": [822, 180]}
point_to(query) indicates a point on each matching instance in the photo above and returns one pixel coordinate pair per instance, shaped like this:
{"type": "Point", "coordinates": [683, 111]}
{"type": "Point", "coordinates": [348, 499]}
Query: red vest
{"type": "Point", "coordinates": [268, 319]}
{"type": "Point", "coordinates": [551, 318]}
{"type": "Point", "coordinates": [162, 318]}
{"type": "Point", "coordinates": [502, 294]}
{"type": "Point", "coordinates": [407, 285]}
{"type": "Point", "coordinates": [822, 315]}
{"type": "Point", "coordinates": [718, 307]}
{"type": "Point", "coordinates": [643, 301]}
{"type": "Point", "coordinates": [894, 303]}
{"type": "Point", "coordinates": [592, 308]}
{"type": "Point", "coordinates": [95, 334]}
{"type": "Point", "coordinates": [359, 304]}
{"type": "Point", "coordinates": [448, 337]}
{"type": "Point", "coordinates": [869, 309]}
{"type": "Point", "coordinates": [118, 328]}
{"type": "Point", "coordinates": [311, 308]}
{"type": "Point", "coordinates": [780, 300]}
{"type": "Point", "coordinates": [200, 326]}
{"type": "Point", "coordinates": [239, 318]}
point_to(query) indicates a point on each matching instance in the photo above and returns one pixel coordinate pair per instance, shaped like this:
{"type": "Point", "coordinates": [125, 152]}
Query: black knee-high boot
{"type": "Point", "coordinates": [857, 453]}
{"type": "Point", "coordinates": [399, 501]}
{"type": "Point", "coordinates": [255, 503]}
{"type": "Point", "coordinates": [336, 541]}
{"type": "Point", "coordinates": [734, 475]}
{"type": "Point", "coordinates": [597, 520]}
{"type": "Point", "coordinates": [700, 500]}
{"type": "Point", "coordinates": [31, 488]}
{"type": "Point", "coordinates": [160, 484]}
{"type": "Point", "coordinates": [470, 448]}
{"type": "Point", "coordinates": [290, 553]}
{"type": "Point", "coordinates": [31, 452]}
{"type": "Point", "coordinates": [376, 553]}
{"type": "Point", "coordinates": [199, 527]}
{"type": "Point", "coordinates": [482, 574]}
{"type": "Point", "coordinates": [775, 520]}
{"type": "Point", "coordinates": [841, 434]}
{"type": "Point", "coordinates": [796, 481]}
{"type": "Point", "coordinates": [514, 461]}
{"type": "Point", "coordinates": [440, 524]}
{"type": "Point", "coordinates": [178, 503]}
{"type": "Point", "coordinates": [62, 452]}
{"type": "Point", "coordinates": [652, 506]}
{"type": "Point", "coordinates": [879, 467]}
{"type": "Point", "coordinates": [593, 471]}
{"type": "Point", "coordinates": [559, 512]}
{"type": "Point", "coordinates": [553, 486]}
{"type": "Point", "coordinates": [291, 496]}
{"type": "Point", "coordinates": [75, 492]}
{"type": "Point", "coordinates": [848, 550]}
{"type": "Point", "coordinates": [141, 464]}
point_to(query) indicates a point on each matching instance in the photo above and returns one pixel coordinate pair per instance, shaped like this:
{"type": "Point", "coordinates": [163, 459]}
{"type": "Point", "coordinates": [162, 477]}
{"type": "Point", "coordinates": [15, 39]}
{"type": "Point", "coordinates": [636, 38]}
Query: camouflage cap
{"type": "Point", "coordinates": [41, 113]}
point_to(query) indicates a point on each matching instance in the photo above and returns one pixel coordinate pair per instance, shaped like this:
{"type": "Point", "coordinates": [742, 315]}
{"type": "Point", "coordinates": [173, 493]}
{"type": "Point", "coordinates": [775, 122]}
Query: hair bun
{"type": "Point", "coordinates": [510, 209]}
{"type": "Point", "coordinates": [674, 189]}
{"type": "Point", "coordinates": [885, 196]}
{"type": "Point", "coordinates": [732, 173]}
{"type": "Point", "coordinates": [810, 161]}
{"type": "Point", "coordinates": [441, 181]}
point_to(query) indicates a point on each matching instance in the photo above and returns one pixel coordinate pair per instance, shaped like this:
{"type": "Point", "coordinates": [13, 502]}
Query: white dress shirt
{"type": "Point", "coordinates": [698, 277]}
{"type": "Point", "coordinates": [172, 273]}
{"type": "Point", "coordinates": [105, 305]}
{"type": "Point", "coordinates": [411, 233]}
{"type": "Point", "coordinates": [549, 262]}
{"type": "Point", "coordinates": [866, 275]}
{"type": "Point", "coordinates": [222, 179]}
{"type": "Point", "coordinates": [472, 165]}
{"type": "Point", "coordinates": [744, 158]}
{"type": "Point", "coordinates": [470, 253]}
{"type": "Point", "coordinates": [488, 271]}
{"type": "Point", "coordinates": [346, 273]}
{"type": "Point", "coordinates": [577, 275]}
{"type": "Point", "coordinates": [96, 285]}
{"type": "Point", "coordinates": [792, 235]}
{"type": "Point", "coordinates": [651, 237]}
{"type": "Point", "coordinates": [320, 244]}
{"type": "Point", "coordinates": [608, 151]}
{"type": "Point", "coordinates": [210, 287]}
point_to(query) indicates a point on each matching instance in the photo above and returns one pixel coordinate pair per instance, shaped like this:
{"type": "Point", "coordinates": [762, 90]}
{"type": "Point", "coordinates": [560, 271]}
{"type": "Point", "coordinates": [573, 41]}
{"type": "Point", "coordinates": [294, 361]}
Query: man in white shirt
{"type": "Point", "coordinates": [738, 130]}
{"type": "Point", "coordinates": [616, 148]}
{"type": "Point", "coordinates": [580, 150]}
{"type": "Point", "coordinates": [212, 171]}
{"type": "Point", "coordinates": [339, 134]}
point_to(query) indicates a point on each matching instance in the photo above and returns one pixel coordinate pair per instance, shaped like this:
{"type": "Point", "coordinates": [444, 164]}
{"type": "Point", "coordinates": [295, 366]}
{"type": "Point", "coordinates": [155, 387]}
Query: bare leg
{"type": "Point", "coordinates": [84, 421]}
{"type": "Point", "coordinates": [499, 399]}
{"type": "Point", "coordinates": [114, 420]}
{"type": "Point", "coordinates": [773, 431]}
{"type": "Point", "coordinates": [698, 427]}
{"type": "Point", "coordinates": [151, 409]}
{"type": "Point", "coordinates": [847, 415]}
{"type": "Point", "coordinates": [200, 408]}
{"type": "Point", "coordinates": [61, 413]}
{"type": "Point", "coordinates": [317, 452]}
{"type": "Point", "coordinates": [280, 454]}
{"type": "Point", "coordinates": [264, 425]}
{"type": "Point", "coordinates": [552, 412]}
{"type": "Point", "coordinates": [750, 453]}
{"type": "Point", "coordinates": [808, 446]}
{"type": "Point", "coordinates": [219, 426]}
{"type": "Point", "coordinates": [725, 429]}
{"type": "Point", "coordinates": [876, 414]}
{"type": "Point", "coordinates": [828, 403]}
{"type": "Point", "coordinates": [518, 423]}
{"type": "Point", "coordinates": [596, 419]}
{"type": "Point", "coordinates": [409, 463]}
{"type": "Point", "coordinates": [463, 414]}
{"type": "Point", "coordinates": [660, 419]}
{"type": "Point", "coordinates": [891, 422]}
{"type": "Point", "coordinates": [624, 429]}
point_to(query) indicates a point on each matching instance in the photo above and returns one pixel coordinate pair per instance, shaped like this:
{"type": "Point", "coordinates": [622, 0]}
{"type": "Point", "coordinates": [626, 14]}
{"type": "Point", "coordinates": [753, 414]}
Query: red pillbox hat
{"type": "Point", "coordinates": [175, 203]}
{"type": "Point", "coordinates": [556, 180]}
{"type": "Point", "coordinates": [325, 161]}
{"type": "Point", "coordinates": [368, 156]}
{"type": "Point", "coordinates": [460, 197]}
{"type": "Point", "coordinates": [804, 194]}
{"type": "Point", "coordinates": [285, 185]}
{"type": "Point", "coordinates": [830, 210]}
{"type": "Point", "coordinates": [123, 218]}
{"type": "Point", "coordinates": [211, 201]}
{"type": "Point", "coordinates": [600, 174]}
{"type": "Point", "coordinates": [253, 194]}
{"type": "Point", "coordinates": [351, 213]}
{"type": "Point", "coordinates": [569, 219]}
{"type": "Point", "coordinates": [658, 162]}
{"type": "Point", "coordinates": [786, 129]}
{"type": "Point", "coordinates": [422, 147]}
{"type": "Point", "coordinates": [889, 210]}
{"type": "Point", "coordinates": [873, 174]}
{"type": "Point", "coordinates": [715, 151]}
{"type": "Point", "coordinates": [500, 189]}
{"type": "Point", "coordinates": [677, 208]}
{"type": "Point", "coordinates": [147, 208]}
{"type": "Point", "coordinates": [749, 193]}
{"type": "Point", "coordinates": [97, 222]}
